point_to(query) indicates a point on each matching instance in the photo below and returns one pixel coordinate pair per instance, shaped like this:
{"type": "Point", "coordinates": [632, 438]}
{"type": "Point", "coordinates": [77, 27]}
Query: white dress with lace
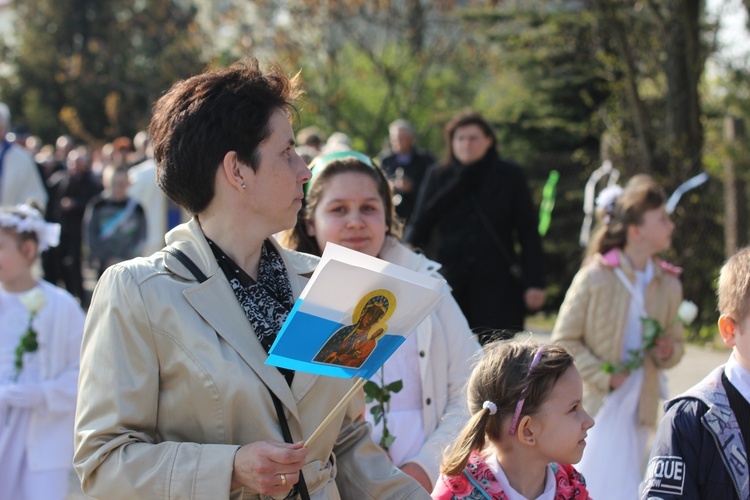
{"type": "Point", "coordinates": [613, 460]}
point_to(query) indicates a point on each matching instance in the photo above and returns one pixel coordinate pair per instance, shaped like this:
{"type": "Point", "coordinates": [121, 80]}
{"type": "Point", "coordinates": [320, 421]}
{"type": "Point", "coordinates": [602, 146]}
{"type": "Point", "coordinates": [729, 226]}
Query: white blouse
{"type": "Point", "coordinates": [633, 337]}
{"type": "Point", "coordinates": [405, 412]}
{"type": "Point", "coordinates": [550, 487]}
{"type": "Point", "coordinates": [738, 377]}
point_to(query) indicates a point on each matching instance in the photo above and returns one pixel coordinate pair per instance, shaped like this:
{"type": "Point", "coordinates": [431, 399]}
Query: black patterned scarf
{"type": "Point", "coordinates": [267, 301]}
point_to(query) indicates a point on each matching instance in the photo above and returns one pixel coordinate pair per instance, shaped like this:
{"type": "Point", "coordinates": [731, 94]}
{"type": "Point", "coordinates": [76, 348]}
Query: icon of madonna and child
{"type": "Point", "coordinates": [351, 345]}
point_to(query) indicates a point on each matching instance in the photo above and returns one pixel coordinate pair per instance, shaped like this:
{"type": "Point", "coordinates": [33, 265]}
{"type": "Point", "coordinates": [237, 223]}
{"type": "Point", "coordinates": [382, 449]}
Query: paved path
{"type": "Point", "coordinates": [696, 364]}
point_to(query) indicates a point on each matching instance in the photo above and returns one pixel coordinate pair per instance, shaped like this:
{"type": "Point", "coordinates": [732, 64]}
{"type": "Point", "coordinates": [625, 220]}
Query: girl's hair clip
{"type": "Point", "coordinates": [320, 163]}
{"type": "Point", "coordinates": [490, 406]}
{"type": "Point", "coordinates": [516, 415]}
{"type": "Point", "coordinates": [607, 199]}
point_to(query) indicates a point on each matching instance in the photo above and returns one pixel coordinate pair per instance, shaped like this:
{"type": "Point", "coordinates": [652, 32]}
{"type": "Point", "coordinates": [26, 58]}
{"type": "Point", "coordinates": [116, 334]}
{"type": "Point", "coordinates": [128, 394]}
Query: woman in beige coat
{"type": "Point", "coordinates": [175, 399]}
{"type": "Point", "coordinates": [600, 322]}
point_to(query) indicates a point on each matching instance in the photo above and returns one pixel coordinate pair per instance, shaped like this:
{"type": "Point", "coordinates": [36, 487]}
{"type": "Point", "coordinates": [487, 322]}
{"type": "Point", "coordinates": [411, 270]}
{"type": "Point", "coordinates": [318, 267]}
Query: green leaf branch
{"type": "Point", "coordinates": [381, 394]}
{"type": "Point", "coordinates": [28, 343]}
{"type": "Point", "coordinates": [652, 330]}
{"type": "Point", "coordinates": [33, 300]}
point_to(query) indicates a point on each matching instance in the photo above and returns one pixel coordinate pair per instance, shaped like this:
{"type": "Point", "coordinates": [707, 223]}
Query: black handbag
{"type": "Point", "coordinates": [301, 487]}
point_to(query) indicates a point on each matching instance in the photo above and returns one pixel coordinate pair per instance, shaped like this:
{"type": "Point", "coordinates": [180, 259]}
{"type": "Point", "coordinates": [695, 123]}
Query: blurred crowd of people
{"type": "Point", "coordinates": [105, 199]}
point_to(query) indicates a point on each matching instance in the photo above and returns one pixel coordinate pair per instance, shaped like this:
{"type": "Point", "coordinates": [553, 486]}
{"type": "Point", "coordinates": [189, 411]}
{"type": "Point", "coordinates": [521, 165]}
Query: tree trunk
{"type": "Point", "coordinates": [415, 37]}
{"type": "Point", "coordinates": [683, 68]}
{"type": "Point", "coordinates": [614, 25]}
{"type": "Point", "coordinates": [733, 131]}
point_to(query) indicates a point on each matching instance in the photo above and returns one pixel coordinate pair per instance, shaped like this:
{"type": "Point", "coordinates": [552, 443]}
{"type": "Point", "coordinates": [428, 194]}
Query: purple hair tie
{"type": "Point", "coordinates": [519, 406]}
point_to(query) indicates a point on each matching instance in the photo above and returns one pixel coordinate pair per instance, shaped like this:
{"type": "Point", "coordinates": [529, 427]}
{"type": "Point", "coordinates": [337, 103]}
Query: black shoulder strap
{"type": "Point", "coordinates": [187, 262]}
{"type": "Point", "coordinates": [4, 149]}
{"type": "Point", "coordinates": [513, 268]}
{"type": "Point", "coordinates": [300, 487]}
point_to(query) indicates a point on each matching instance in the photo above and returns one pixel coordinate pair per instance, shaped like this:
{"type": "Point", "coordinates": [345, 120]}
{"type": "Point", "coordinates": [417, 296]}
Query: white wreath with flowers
{"type": "Point", "coordinates": [31, 221]}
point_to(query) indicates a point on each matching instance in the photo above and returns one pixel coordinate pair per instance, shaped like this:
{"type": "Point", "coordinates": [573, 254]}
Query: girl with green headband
{"type": "Point", "coordinates": [349, 202]}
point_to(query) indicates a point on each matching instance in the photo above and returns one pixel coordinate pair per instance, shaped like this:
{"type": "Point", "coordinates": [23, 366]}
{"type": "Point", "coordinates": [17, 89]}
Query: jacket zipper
{"type": "Point", "coordinates": [723, 459]}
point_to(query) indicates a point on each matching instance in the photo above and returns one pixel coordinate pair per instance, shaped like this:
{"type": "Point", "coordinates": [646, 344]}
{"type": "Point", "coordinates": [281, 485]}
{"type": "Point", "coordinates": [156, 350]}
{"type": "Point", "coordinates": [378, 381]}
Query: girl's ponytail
{"type": "Point", "coordinates": [472, 438]}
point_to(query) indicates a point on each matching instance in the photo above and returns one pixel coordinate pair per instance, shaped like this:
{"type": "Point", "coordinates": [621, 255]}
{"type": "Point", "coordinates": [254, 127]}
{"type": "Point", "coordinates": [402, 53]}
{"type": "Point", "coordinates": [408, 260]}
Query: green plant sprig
{"type": "Point", "coordinates": [381, 394]}
{"type": "Point", "coordinates": [652, 330]}
{"type": "Point", "coordinates": [28, 343]}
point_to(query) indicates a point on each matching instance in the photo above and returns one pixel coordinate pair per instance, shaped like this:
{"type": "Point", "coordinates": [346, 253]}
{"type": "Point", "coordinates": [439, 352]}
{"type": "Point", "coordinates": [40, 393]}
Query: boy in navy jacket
{"type": "Point", "coordinates": [699, 451]}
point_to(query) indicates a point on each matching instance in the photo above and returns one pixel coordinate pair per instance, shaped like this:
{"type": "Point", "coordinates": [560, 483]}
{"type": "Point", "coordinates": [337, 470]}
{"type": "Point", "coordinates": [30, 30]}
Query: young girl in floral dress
{"type": "Point", "coordinates": [40, 338]}
{"type": "Point", "coordinates": [528, 425]}
{"type": "Point", "coordinates": [621, 287]}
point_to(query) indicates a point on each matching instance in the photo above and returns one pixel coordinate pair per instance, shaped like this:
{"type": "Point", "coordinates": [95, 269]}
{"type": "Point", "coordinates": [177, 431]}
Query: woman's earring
{"type": "Point", "coordinates": [244, 186]}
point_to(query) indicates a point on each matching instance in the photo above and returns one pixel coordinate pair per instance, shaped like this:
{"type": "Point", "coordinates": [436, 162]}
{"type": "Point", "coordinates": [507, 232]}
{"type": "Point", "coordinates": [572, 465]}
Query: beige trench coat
{"type": "Point", "coordinates": [173, 382]}
{"type": "Point", "coordinates": [591, 324]}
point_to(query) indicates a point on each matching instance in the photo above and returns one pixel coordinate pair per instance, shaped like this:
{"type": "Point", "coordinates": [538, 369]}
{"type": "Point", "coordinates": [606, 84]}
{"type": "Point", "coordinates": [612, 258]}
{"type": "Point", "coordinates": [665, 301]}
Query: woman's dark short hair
{"type": "Point", "coordinates": [199, 120]}
{"type": "Point", "coordinates": [462, 120]}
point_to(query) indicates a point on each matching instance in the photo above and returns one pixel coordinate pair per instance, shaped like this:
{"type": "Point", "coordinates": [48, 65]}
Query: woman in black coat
{"type": "Point", "coordinates": [473, 210]}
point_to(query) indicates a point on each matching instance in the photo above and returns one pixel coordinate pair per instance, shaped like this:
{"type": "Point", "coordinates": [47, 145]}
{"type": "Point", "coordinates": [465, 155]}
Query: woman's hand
{"type": "Point", "coordinates": [663, 348]}
{"type": "Point", "coordinates": [28, 396]}
{"type": "Point", "coordinates": [534, 298]}
{"type": "Point", "coordinates": [268, 467]}
{"type": "Point", "coordinates": [617, 379]}
{"type": "Point", "coordinates": [418, 474]}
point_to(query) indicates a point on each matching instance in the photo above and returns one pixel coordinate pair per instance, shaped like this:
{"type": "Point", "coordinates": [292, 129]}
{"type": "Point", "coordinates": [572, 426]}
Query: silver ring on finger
{"type": "Point", "coordinates": [283, 479]}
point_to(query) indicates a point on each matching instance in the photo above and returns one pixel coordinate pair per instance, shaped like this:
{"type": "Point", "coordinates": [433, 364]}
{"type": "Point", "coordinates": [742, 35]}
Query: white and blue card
{"type": "Point", "coordinates": [355, 311]}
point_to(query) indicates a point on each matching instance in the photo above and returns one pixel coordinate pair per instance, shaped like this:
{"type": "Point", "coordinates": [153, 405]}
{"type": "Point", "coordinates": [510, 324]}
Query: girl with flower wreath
{"type": "Point", "coordinates": [619, 321]}
{"type": "Point", "coordinates": [40, 337]}
{"type": "Point", "coordinates": [528, 426]}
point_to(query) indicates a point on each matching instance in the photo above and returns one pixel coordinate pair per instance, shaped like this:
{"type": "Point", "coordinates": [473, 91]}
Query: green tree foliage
{"type": "Point", "coordinates": [545, 85]}
{"type": "Point", "coordinates": [93, 68]}
{"type": "Point", "coordinates": [657, 55]}
{"type": "Point", "coordinates": [366, 63]}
